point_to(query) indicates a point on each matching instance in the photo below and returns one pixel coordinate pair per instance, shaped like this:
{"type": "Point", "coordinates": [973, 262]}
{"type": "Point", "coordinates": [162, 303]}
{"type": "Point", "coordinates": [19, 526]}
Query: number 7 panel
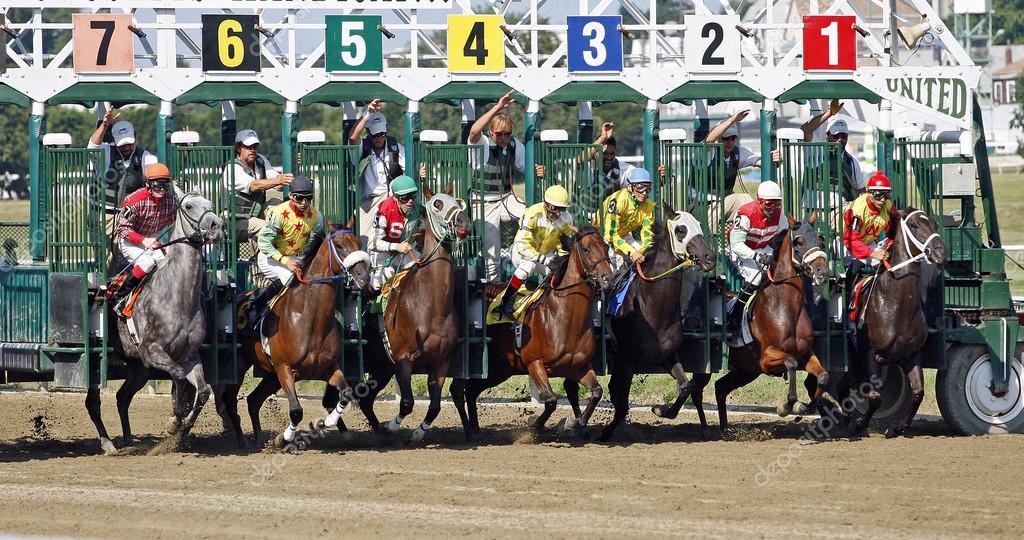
{"type": "Point", "coordinates": [103, 43]}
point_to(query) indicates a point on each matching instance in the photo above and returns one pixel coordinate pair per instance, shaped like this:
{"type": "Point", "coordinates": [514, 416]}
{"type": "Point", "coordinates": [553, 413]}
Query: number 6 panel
{"type": "Point", "coordinates": [230, 43]}
{"type": "Point", "coordinates": [712, 44]}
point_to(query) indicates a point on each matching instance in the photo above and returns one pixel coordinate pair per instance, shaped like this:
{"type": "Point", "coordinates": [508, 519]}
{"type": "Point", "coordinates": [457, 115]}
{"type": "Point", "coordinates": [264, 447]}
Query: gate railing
{"type": "Point", "coordinates": [577, 168]}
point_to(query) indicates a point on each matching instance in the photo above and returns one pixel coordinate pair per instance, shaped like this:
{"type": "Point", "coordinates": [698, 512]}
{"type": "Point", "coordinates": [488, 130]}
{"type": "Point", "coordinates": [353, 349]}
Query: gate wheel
{"type": "Point", "coordinates": [966, 402]}
{"type": "Point", "coordinates": [895, 397]}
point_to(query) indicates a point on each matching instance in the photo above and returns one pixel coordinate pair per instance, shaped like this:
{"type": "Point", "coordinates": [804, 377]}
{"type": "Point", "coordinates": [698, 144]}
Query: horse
{"type": "Point", "coordinates": [558, 337]}
{"type": "Point", "coordinates": [781, 327]}
{"type": "Point", "coordinates": [303, 337]}
{"type": "Point", "coordinates": [419, 325]}
{"type": "Point", "coordinates": [895, 329]}
{"type": "Point", "coordinates": [169, 325]}
{"type": "Point", "coordinates": [648, 330]}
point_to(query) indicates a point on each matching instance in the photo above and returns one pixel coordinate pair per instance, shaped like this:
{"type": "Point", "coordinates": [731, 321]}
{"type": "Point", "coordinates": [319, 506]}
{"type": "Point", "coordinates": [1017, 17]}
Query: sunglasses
{"type": "Point", "coordinates": [159, 187]}
{"type": "Point", "coordinates": [772, 204]}
{"type": "Point", "coordinates": [502, 133]}
{"type": "Point", "coordinates": [252, 147]}
{"type": "Point", "coordinates": [302, 198]}
{"type": "Point", "coordinates": [380, 135]}
{"type": "Point", "coordinates": [406, 198]}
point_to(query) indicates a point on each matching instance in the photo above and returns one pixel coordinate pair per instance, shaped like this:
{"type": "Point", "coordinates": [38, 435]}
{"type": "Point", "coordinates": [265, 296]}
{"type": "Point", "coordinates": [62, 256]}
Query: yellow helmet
{"type": "Point", "coordinates": [557, 196]}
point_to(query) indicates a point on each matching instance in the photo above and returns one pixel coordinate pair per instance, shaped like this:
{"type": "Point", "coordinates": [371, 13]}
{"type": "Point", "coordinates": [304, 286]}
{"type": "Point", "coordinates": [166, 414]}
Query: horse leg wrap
{"type": "Point", "coordinates": [289, 433]}
{"type": "Point", "coordinates": [395, 424]}
{"type": "Point", "coordinates": [335, 415]}
{"type": "Point", "coordinates": [418, 433]}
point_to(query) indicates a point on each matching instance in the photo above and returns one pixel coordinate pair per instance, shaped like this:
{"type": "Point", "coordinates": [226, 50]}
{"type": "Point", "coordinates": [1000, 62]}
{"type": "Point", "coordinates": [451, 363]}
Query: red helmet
{"type": "Point", "coordinates": [879, 181]}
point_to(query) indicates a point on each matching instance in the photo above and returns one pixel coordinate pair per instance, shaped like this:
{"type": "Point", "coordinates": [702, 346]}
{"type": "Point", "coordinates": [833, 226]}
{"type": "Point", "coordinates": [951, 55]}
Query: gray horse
{"type": "Point", "coordinates": [170, 324]}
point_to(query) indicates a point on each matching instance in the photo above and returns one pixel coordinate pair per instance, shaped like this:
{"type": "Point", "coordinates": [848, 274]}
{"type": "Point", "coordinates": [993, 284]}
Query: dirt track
{"type": "Point", "coordinates": [658, 479]}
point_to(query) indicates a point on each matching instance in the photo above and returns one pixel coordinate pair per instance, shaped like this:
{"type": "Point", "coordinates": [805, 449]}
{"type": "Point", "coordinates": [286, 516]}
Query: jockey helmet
{"type": "Point", "coordinates": [403, 185]}
{"type": "Point", "coordinates": [769, 190]}
{"type": "Point", "coordinates": [638, 176]}
{"type": "Point", "coordinates": [158, 171]}
{"type": "Point", "coordinates": [301, 185]}
{"type": "Point", "coordinates": [879, 181]}
{"type": "Point", "coordinates": [557, 196]}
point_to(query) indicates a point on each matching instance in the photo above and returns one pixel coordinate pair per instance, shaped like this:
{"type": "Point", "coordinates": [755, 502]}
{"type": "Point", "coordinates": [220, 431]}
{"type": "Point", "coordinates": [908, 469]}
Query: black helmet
{"type": "Point", "coordinates": [301, 185]}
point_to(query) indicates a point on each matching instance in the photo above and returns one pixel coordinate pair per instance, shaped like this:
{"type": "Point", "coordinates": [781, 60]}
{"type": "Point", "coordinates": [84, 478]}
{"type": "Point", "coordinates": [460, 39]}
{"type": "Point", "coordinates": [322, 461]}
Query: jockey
{"type": "Point", "coordinates": [750, 236]}
{"type": "Point", "coordinates": [390, 249]}
{"type": "Point", "coordinates": [626, 212]}
{"type": "Point", "coordinates": [866, 218]}
{"type": "Point", "coordinates": [537, 241]}
{"type": "Point", "coordinates": [291, 227]}
{"type": "Point", "coordinates": [144, 216]}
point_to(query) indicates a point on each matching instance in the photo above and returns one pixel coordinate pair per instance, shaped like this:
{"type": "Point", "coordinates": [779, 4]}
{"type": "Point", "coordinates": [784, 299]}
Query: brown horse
{"type": "Point", "coordinates": [420, 325]}
{"type": "Point", "coordinates": [558, 338]}
{"type": "Point", "coordinates": [649, 329]}
{"type": "Point", "coordinates": [781, 327]}
{"type": "Point", "coordinates": [304, 338]}
{"type": "Point", "coordinates": [894, 328]}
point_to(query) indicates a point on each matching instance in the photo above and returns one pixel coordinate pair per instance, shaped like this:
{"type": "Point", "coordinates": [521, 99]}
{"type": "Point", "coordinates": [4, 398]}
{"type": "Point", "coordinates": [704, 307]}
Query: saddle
{"type": "Point", "coordinates": [859, 296]}
{"type": "Point", "coordinates": [115, 284]}
{"type": "Point", "coordinates": [380, 303]}
{"type": "Point", "coordinates": [619, 290]}
{"type": "Point", "coordinates": [246, 303]}
{"type": "Point", "coordinates": [746, 336]}
{"type": "Point", "coordinates": [524, 300]}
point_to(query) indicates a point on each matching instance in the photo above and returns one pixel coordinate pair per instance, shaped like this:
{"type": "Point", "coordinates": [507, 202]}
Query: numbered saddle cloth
{"type": "Point", "coordinates": [381, 302]}
{"type": "Point", "coordinates": [619, 291]}
{"type": "Point", "coordinates": [860, 295]}
{"type": "Point", "coordinates": [524, 299]}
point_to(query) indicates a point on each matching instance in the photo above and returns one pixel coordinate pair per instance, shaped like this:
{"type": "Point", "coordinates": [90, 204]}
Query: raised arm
{"type": "Point", "coordinates": [481, 123]}
{"type": "Point", "coordinates": [357, 130]}
{"type": "Point", "coordinates": [717, 131]}
{"type": "Point", "coordinates": [817, 120]}
{"type": "Point", "coordinates": [109, 118]}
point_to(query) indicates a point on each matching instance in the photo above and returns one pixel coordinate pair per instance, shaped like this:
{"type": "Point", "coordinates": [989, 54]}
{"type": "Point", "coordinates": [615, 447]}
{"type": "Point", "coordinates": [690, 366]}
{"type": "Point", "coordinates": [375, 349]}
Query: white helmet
{"type": "Point", "coordinates": [769, 190]}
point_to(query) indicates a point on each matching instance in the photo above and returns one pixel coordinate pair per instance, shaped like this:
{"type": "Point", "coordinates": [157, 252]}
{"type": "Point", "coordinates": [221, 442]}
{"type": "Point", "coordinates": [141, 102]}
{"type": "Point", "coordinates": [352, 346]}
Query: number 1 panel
{"type": "Point", "coordinates": [830, 42]}
{"type": "Point", "coordinates": [594, 43]}
{"type": "Point", "coordinates": [711, 44]}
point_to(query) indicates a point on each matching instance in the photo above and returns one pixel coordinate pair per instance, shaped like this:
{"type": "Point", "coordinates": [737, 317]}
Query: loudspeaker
{"type": "Point", "coordinates": [911, 35]}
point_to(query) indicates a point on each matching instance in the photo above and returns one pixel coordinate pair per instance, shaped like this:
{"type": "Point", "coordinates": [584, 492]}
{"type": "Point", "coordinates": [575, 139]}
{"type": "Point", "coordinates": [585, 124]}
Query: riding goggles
{"type": "Point", "coordinates": [303, 197]}
{"type": "Point", "coordinates": [880, 194]}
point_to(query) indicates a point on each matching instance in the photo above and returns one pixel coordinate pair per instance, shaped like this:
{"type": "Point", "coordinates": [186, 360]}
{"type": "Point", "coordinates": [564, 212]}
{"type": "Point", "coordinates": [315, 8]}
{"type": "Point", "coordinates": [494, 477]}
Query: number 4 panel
{"type": "Point", "coordinates": [476, 43]}
{"type": "Point", "coordinates": [711, 44]}
{"type": "Point", "coordinates": [103, 43]}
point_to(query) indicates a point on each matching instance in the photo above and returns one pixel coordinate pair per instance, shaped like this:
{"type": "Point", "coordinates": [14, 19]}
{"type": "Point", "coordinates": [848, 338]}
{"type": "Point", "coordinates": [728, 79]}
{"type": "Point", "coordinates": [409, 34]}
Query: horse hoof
{"type": "Point", "coordinates": [783, 410]}
{"type": "Point", "coordinates": [319, 426]}
{"type": "Point", "coordinates": [663, 411]}
{"type": "Point", "coordinates": [417, 435]}
{"type": "Point", "coordinates": [800, 408]}
{"type": "Point", "coordinates": [583, 433]}
{"type": "Point", "coordinates": [392, 427]}
{"type": "Point", "coordinates": [279, 441]}
{"type": "Point", "coordinates": [892, 432]}
{"type": "Point", "coordinates": [173, 425]}
{"type": "Point", "coordinates": [472, 437]}
{"type": "Point", "coordinates": [108, 447]}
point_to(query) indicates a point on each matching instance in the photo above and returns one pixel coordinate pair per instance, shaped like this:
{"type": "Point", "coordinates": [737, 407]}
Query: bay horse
{"type": "Point", "coordinates": [304, 338]}
{"type": "Point", "coordinates": [895, 329]}
{"type": "Point", "coordinates": [781, 327]}
{"type": "Point", "coordinates": [649, 329]}
{"type": "Point", "coordinates": [419, 325]}
{"type": "Point", "coordinates": [558, 338]}
{"type": "Point", "coordinates": [169, 325]}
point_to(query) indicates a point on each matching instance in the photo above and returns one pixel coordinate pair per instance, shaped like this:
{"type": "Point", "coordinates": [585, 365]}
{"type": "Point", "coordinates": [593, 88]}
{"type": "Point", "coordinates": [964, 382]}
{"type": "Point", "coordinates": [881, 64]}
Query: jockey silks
{"type": "Point", "coordinates": [752, 229]}
{"type": "Point", "coordinates": [623, 215]}
{"type": "Point", "coordinates": [288, 231]}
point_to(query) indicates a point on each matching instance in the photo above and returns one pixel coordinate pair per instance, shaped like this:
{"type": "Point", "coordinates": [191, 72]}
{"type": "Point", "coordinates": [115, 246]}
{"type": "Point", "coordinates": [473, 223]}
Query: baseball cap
{"type": "Point", "coordinates": [123, 133]}
{"type": "Point", "coordinates": [247, 137]}
{"type": "Point", "coordinates": [731, 131]}
{"type": "Point", "coordinates": [838, 126]}
{"type": "Point", "coordinates": [376, 123]}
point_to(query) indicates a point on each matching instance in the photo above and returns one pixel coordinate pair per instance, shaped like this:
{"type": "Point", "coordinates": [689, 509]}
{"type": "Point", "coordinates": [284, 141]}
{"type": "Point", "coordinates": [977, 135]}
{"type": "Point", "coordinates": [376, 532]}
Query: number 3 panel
{"type": "Point", "coordinates": [230, 43]}
{"type": "Point", "coordinates": [712, 44]}
{"type": "Point", "coordinates": [102, 43]}
{"type": "Point", "coordinates": [476, 43]}
{"type": "Point", "coordinates": [595, 43]}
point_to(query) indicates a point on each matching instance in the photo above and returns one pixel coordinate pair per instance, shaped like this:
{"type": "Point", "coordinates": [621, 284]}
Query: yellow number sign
{"type": "Point", "coordinates": [476, 43]}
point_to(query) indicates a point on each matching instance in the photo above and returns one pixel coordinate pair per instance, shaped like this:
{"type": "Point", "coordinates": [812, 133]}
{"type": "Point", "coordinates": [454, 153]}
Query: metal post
{"type": "Point", "coordinates": [533, 127]}
{"type": "Point", "coordinates": [988, 195]}
{"type": "Point", "coordinates": [164, 128]}
{"type": "Point", "coordinates": [468, 117]}
{"type": "Point", "coordinates": [884, 146]}
{"type": "Point", "coordinates": [585, 127]}
{"type": "Point", "coordinates": [767, 139]}
{"type": "Point", "coordinates": [37, 231]}
{"type": "Point", "coordinates": [413, 125]}
{"type": "Point", "coordinates": [289, 127]}
{"type": "Point", "coordinates": [701, 120]}
{"type": "Point", "coordinates": [228, 125]}
{"type": "Point", "coordinates": [349, 118]}
{"type": "Point", "coordinates": [650, 128]}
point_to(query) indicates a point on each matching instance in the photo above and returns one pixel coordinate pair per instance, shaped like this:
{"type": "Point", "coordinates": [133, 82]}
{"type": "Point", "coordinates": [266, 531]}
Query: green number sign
{"type": "Point", "coordinates": [354, 43]}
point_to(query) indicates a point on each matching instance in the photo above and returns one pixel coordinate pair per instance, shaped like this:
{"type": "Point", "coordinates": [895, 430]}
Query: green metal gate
{"type": "Point", "coordinates": [449, 167]}
{"type": "Point", "coordinates": [209, 171]}
{"type": "Point", "coordinates": [695, 182]}
{"type": "Point", "coordinates": [809, 177]}
{"type": "Point", "coordinates": [333, 171]}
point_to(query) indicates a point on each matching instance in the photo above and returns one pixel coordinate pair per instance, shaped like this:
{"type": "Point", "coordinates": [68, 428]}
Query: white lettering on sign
{"type": "Point", "coordinates": [333, 5]}
{"type": "Point", "coordinates": [944, 94]}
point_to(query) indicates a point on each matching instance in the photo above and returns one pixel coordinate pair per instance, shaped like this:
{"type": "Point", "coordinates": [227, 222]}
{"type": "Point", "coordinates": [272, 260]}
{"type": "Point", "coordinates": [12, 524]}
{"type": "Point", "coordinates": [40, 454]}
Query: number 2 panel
{"type": "Point", "coordinates": [594, 43]}
{"type": "Point", "coordinates": [230, 43]}
{"type": "Point", "coordinates": [711, 44]}
{"type": "Point", "coordinates": [103, 43]}
{"type": "Point", "coordinates": [476, 43]}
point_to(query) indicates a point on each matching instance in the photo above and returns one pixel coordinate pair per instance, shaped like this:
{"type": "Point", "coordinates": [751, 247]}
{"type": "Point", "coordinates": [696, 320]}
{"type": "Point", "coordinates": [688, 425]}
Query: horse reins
{"type": "Point", "coordinates": [589, 279]}
{"type": "Point", "coordinates": [813, 253]}
{"type": "Point", "coordinates": [349, 261]}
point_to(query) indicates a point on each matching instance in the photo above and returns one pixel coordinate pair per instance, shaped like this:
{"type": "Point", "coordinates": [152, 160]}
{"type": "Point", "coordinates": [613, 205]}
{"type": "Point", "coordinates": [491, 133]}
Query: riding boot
{"type": "Point", "coordinates": [123, 292]}
{"type": "Point", "coordinates": [261, 301]}
{"type": "Point", "coordinates": [853, 274]}
{"type": "Point", "coordinates": [735, 316]}
{"type": "Point", "coordinates": [505, 307]}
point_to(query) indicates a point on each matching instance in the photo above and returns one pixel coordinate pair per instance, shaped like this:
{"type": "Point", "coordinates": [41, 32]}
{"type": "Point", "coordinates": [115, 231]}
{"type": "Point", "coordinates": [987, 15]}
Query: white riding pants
{"type": "Point", "coordinates": [140, 256]}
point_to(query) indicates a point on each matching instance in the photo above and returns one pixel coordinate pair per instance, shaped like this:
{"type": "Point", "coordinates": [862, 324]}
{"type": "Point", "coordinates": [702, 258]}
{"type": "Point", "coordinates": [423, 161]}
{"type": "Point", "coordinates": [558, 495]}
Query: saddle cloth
{"type": "Point", "coordinates": [129, 303]}
{"type": "Point", "coordinates": [745, 337]}
{"type": "Point", "coordinates": [619, 291]}
{"type": "Point", "coordinates": [522, 302]}
{"type": "Point", "coordinates": [381, 302]}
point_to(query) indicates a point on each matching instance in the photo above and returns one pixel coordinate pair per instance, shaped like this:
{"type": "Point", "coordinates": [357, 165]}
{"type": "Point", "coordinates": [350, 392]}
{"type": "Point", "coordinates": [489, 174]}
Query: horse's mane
{"type": "Point", "coordinates": [309, 252]}
{"type": "Point", "coordinates": [777, 240]}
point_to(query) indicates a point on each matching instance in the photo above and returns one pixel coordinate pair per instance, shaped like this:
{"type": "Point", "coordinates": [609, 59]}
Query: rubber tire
{"type": "Point", "coordinates": [950, 390]}
{"type": "Point", "coordinates": [895, 397]}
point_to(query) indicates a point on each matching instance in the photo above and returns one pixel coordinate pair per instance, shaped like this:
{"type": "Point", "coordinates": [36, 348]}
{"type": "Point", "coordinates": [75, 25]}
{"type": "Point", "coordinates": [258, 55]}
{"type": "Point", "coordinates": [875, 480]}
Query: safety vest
{"type": "Point", "coordinates": [251, 204]}
{"type": "Point", "coordinates": [500, 168]}
{"type": "Point", "coordinates": [122, 180]}
{"type": "Point", "coordinates": [392, 165]}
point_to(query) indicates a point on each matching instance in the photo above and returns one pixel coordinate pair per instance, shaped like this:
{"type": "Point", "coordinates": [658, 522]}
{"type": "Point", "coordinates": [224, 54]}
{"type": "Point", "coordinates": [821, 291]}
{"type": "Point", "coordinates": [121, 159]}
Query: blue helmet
{"type": "Point", "coordinates": [638, 176]}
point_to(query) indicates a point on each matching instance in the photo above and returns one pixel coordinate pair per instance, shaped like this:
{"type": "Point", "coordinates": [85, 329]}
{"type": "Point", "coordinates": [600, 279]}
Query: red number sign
{"type": "Point", "coordinates": [103, 43]}
{"type": "Point", "coordinates": [830, 42]}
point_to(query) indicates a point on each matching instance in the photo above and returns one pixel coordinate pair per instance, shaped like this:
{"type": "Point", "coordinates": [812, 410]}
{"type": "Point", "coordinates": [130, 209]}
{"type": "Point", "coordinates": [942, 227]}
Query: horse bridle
{"type": "Point", "coordinates": [589, 275]}
{"type": "Point", "coordinates": [196, 237]}
{"type": "Point", "coordinates": [910, 239]}
{"type": "Point", "coordinates": [443, 235]}
{"type": "Point", "coordinates": [802, 264]}
{"type": "Point", "coordinates": [344, 264]}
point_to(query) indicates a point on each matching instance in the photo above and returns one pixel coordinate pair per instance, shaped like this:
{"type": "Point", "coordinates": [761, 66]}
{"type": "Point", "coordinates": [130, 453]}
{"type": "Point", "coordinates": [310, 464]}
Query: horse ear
{"type": "Point", "coordinates": [813, 217]}
{"type": "Point", "coordinates": [427, 193]}
{"type": "Point", "coordinates": [448, 188]}
{"type": "Point", "coordinates": [666, 209]}
{"type": "Point", "coordinates": [351, 223]}
{"type": "Point", "coordinates": [792, 221]}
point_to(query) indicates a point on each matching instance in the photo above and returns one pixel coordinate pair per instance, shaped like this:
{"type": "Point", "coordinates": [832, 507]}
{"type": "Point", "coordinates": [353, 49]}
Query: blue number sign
{"type": "Point", "coordinates": [595, 43]}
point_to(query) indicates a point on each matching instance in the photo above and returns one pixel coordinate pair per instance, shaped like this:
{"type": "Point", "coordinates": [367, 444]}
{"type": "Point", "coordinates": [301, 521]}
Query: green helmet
{"type": "Point", "coordinates": [403, 185]}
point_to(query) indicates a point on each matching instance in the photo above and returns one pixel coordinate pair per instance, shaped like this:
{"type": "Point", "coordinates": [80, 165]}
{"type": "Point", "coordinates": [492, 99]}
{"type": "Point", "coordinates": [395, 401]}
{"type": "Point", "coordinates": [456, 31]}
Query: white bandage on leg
{"type": "Point", "coordinates": [419, 433]}
{"type": "Point", "coordinates": [335, 415]}
{"type": "Point", "coordinates": [289, 433]}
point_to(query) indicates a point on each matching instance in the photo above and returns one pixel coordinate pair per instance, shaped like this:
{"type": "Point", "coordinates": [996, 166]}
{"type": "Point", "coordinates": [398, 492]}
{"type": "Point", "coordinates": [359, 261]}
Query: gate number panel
{"type": "Point", "coordinates": [354, 43]}
{"type": "Point", "coordinates": [476, 43]}
{"type": "Point", "coordinates": [830, 42]}
{"type": "Point", "coordinates": [712, 44]}
{"type": "Point", "coordinates": [102, 43]}
{"type": "Point", "coordinates": [230, 43]}
{"type": "Point", "coordinates": [594, 43]}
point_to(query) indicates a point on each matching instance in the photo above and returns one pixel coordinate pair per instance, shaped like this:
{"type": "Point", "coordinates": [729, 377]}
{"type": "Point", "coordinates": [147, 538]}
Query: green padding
{"type": "Point", "coordinates": [10, 95]}
{"type": "Point", "coordinates": [118, 93]}
{"type": "Point", "coordinates": [715, 91]}
{"type": "Point", "coordinates": [603, 92]}
{"type": "Point", "coordinates": [829, 90]}
{"type": "Point", "coordinates": [454, 92]}
{"type": "Point", "coordinates": [335, 93]}
{"type": "Point", "coordinates": [239, 92]}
